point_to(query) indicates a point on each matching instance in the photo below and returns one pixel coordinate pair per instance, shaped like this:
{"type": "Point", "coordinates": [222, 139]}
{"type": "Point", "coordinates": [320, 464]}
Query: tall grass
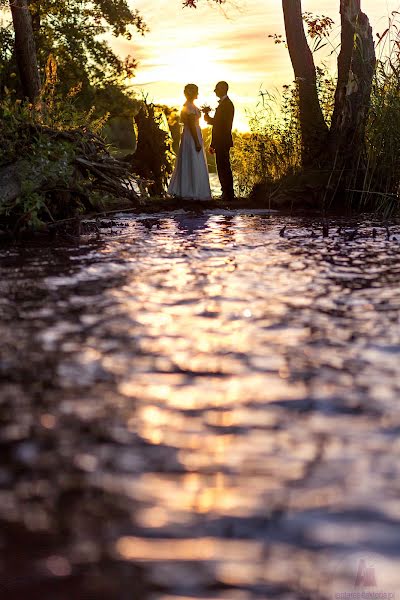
{"type": "Point", "coordinates": [272, 149]}
{"type": "Point", "coordinates": [382, 178]}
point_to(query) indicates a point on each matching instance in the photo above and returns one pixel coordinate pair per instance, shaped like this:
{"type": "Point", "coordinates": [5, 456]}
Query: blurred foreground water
{"type": "Point", "coordinates": [202, 407]}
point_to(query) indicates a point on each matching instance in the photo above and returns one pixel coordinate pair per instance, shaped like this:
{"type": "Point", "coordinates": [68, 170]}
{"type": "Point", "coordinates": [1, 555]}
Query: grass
{"type": "Point", "coordinates": [270, 155]}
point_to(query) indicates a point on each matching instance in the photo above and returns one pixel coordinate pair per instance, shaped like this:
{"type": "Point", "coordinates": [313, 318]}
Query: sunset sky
{"type": "Point", "coordinates": [203, 46]}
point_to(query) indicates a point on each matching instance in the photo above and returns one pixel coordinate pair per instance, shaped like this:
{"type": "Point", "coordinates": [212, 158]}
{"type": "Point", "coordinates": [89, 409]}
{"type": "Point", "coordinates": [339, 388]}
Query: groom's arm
{"type": "Point", "coordinates": [209, 120]}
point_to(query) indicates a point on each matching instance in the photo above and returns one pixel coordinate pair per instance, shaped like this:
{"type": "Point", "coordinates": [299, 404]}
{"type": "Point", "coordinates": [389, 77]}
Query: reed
{"type": "Point", "coordinates": [271, 153]}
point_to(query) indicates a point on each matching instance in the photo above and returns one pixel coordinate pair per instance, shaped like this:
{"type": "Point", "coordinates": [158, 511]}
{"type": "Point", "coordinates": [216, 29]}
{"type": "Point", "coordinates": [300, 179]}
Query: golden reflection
{"type": "Point", "coordinates": [209, 359]}
{"type": "Point", "coordinates": [48, 421]}
{"type": "Point", "coordinates": [181, 499]}
{"type": "Point", "coordinates": [239, 573]}
{"type": "Point", "coordinates": [196, 549]}
{"type": "Point", "coordinates": [153, 517]}
{"type": "Point", "coordinates": [221, 418]}
{"type": "Point", "coordinates": [175, 408]}
{"type": "Point", "coordinates": [212, 497]}
{"type": "Point", "coordinates": [131, 548]}
{"type": "Point", "coordinates": [226, 392]}
{"type": "Point", "coordinates": [58, 566]}
{"type": "Point", "coordinates": [86, 462]}
{"type": "Point", "coordinates": [284, 372]}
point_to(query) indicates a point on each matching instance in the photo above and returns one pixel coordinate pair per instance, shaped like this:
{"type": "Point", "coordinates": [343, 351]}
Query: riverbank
{"type": "Point", "coordinates": [93, 224]}
{"type": "Point", "coordinates": [86, 223]}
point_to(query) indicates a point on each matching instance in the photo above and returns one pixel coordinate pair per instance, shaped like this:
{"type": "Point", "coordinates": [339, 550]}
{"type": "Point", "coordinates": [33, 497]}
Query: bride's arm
{"type": "Point", "coordinates": [191, 122]}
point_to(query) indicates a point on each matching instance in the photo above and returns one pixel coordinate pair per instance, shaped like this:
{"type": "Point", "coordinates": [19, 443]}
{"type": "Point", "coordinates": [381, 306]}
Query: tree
{"type": "Point", "coordinates": [344, 143]}
{"type": "Point", "coordinates": [73, 32]}
{"type": "Point", "coordinates": [25, 49]}
{"type": "Point", "coordinates": [314, 130]}
{"type": "Point", "coordinates": [356, 65]}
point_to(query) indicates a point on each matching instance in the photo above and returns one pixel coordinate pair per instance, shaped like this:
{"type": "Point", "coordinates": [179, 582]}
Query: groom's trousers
{"type": "Point", "coordinates": [225, 172]}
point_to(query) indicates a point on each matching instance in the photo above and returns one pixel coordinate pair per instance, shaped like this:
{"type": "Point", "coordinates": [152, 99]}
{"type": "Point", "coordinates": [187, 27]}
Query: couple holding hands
{"type": "Point", "coordinates": [190, 179]}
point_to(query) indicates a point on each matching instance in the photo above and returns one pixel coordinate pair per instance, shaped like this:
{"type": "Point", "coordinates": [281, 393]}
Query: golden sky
{"type": "Point", "coordinates": [203, 46]}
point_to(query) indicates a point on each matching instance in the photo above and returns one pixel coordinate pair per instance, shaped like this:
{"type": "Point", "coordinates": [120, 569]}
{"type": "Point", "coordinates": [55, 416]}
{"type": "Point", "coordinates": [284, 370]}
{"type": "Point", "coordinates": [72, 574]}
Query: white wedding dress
{"type": "Point", "coordinates": [190, 178]}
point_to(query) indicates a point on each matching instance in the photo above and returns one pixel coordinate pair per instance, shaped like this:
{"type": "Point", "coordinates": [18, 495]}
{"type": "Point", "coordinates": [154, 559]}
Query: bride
{"type": "Point", "coordinates": [190, 178]}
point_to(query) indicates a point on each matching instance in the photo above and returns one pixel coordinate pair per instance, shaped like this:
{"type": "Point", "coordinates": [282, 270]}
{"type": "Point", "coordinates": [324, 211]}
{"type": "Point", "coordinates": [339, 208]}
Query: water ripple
{"type": "Point", "coordinates": [201, 406]}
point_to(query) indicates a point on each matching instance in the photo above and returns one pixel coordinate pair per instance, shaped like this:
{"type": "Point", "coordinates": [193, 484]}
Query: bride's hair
{"type": "Point", "coordinates": [191, 90]}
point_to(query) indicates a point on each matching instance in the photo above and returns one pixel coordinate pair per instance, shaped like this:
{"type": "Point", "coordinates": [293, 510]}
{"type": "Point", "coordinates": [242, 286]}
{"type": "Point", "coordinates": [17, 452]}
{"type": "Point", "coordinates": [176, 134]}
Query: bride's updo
{"type": "Point", "coordinates": [191, 91]}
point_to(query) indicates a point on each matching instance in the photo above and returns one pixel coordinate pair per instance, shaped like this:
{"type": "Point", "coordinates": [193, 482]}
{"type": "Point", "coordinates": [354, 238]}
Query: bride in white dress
{"type": "Point", "coordinates": [190, 178]}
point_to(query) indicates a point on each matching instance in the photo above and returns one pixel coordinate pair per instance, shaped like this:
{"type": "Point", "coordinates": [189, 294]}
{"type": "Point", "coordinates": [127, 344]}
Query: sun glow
{"type": "Point", "coordinates": [198, 65]}
{"type": "Point", "coordinates": [205, 45]}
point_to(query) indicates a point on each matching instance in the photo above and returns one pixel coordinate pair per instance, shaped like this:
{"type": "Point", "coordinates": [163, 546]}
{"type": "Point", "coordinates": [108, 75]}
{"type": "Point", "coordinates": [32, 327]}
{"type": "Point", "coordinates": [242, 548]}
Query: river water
{"type": "Point", "coordinates": [202, 406]}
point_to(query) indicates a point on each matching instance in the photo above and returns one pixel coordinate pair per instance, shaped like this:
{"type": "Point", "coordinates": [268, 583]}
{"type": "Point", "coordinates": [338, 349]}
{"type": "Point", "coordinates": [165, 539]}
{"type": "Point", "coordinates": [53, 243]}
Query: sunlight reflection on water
{"type": "Point", "coordinates": [209, 400]}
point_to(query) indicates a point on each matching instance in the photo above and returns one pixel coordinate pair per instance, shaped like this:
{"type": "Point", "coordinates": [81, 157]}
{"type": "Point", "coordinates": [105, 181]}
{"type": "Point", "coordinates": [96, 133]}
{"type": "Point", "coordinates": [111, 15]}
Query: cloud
{"type": "Point", "coordinates": [203, 45]}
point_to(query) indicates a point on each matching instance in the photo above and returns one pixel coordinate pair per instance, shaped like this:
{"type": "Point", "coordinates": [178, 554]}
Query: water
{"type": "Point", "coordinates": [201, 407]}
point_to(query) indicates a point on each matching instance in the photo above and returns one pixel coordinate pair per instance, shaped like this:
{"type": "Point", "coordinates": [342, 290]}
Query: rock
{"type": "Point", "coordinates": [10, 183]}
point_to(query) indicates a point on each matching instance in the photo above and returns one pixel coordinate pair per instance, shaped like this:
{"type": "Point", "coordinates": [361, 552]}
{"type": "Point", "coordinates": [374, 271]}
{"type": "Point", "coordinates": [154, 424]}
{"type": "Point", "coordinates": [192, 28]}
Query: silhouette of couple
{"type": "Point", "coordinates": [190, 179]}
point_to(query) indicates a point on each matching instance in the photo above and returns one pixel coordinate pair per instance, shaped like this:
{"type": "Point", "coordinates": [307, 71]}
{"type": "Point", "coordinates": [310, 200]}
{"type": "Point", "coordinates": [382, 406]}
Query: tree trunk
{"type": "Point", "coordinates": [314, 130]}
{"type": "Point", "coordinates": [25, 49]}
{"type": "Point", "coordinates": [356, 66]}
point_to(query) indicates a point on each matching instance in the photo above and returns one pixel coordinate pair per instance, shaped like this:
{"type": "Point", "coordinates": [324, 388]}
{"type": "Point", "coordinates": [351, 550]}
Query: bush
{"type": "Point", "coordinates": [272, 148]}
{"type": "Point", "coordinates": [54, 163]}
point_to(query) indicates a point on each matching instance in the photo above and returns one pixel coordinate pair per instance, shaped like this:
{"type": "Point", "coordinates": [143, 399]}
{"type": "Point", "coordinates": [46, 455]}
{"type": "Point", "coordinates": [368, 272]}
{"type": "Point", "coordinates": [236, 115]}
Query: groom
{"type": "Point", "coordinates": [222, 142]}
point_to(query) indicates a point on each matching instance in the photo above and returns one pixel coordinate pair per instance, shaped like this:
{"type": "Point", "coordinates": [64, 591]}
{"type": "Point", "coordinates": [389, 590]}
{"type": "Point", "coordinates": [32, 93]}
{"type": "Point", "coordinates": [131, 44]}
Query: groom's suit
{"type": "Point", "coordinates": [222, 142]}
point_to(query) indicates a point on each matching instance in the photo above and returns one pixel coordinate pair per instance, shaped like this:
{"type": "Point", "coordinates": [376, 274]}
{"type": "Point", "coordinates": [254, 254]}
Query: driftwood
{"type": "Point", "coordinates": [94, 170]}
{"type": "Point", "coordinates": [110, 175]}
{"type": "Point", "coordinates": [95, 164]}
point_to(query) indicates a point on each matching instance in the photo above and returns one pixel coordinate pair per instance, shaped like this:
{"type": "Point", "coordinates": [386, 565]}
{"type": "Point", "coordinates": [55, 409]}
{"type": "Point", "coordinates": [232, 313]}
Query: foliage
{"type": "Point", "coordinates": [75, 33]}
{"type": "Point", "coordinates": [326, 87]}
{"type": "Point", "coordinates": [52, 151]}
{"type": "Point", "coordinates": [272, 149]}
{"type": "Point", "coordinates": [193, 3]}
{"type": "Point", "coordinates": [50, 164]}
{"type": "Point", "coordinates": [41, 161]}
{"type": "Point", "coordinates": [6, 47]}
{"type": "Point", "coordinates": [318, 29]}
{"type": "Point", "coordinates": [382, 179]}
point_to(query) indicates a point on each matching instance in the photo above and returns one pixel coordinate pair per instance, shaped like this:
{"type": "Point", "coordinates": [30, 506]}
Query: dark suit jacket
{"type": "Point", "coordinates": [222, 126]}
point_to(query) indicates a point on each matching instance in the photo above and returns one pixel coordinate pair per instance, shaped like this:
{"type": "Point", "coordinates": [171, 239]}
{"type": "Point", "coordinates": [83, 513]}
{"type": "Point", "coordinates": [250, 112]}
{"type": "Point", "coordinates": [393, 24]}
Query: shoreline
{"type": "Point", "coordinates": [73, 228]}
